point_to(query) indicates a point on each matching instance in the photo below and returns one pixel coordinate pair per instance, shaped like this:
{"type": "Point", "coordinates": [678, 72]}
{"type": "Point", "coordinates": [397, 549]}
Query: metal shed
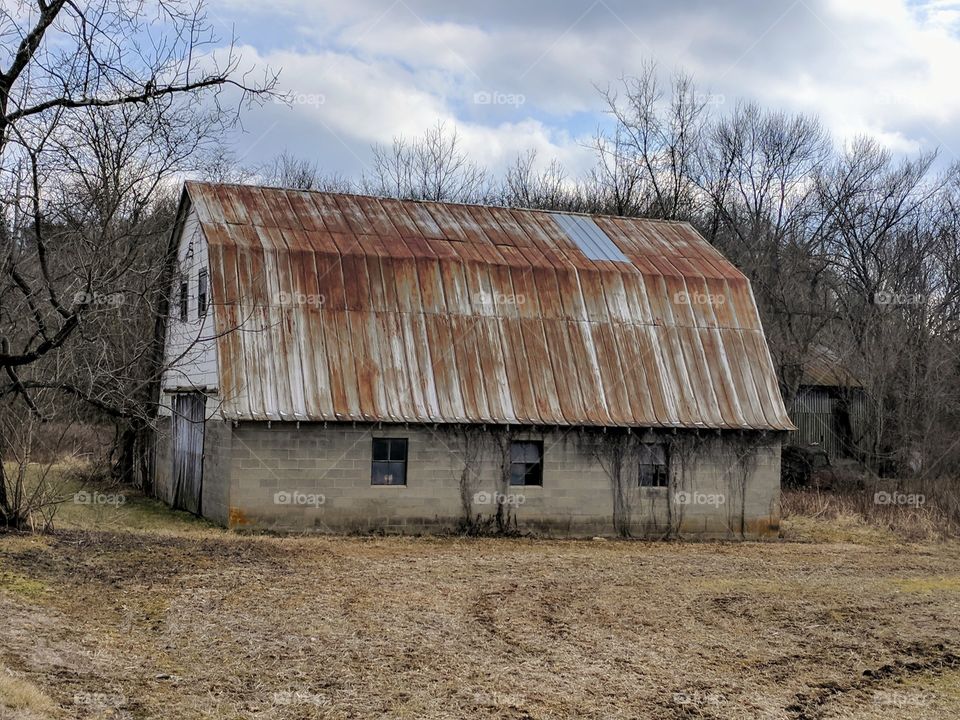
{"type": "Point", "coordinates": [828, 408]}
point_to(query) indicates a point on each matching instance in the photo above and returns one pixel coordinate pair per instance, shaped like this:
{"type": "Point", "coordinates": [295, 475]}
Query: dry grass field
{"type": "Point", "coordinates": [135, 612]}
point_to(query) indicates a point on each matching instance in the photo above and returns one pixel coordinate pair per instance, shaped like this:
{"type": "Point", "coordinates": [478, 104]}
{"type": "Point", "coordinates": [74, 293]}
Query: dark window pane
{"type": "Point", "coordinates": [381, 449]}
{"type": "Point", "coordinates": [397, 473]}
{"type": "Point", "coordinates": [654, 471]}
{"type": "Point", "coordinates": [381, 474]}
{"type": "Point", "coordinates": [653, 455]}
{"type": "Point", "coordinates": [526, 463]}
{"type": "Point", "coordinates": [398, 449]}
{"type": "Point", "coordinates": [184, 302]}
{"type": "Point", "coordinates": [526, 452]}
{"type": "Point", "coordinates": [202, 293]}
{"type": "Point", "coordinates": [532, 475]}
{"type": "Point", "coordinates": [647, 476]}
{"type": "Point", "coordinates": [389, 473]}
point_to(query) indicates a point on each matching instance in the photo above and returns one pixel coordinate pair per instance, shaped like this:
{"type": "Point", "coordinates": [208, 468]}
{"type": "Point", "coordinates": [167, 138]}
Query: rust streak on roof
{"type": "Point", "coordinates": [363, 308]}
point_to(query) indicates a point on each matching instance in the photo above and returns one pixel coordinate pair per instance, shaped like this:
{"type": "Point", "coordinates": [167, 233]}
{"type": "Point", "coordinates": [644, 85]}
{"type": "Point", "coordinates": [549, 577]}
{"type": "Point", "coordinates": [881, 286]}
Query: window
{"type": "Point", "coordinates": [184, 301]}
{"type": "Point", "coordinates": [389, 461]}
{"type": "Point", "coordinates": [653, 466]}
{"type": "Point", "coordinates": [526, 463]}
{"type": "Point", "coordinates": [202, 293]}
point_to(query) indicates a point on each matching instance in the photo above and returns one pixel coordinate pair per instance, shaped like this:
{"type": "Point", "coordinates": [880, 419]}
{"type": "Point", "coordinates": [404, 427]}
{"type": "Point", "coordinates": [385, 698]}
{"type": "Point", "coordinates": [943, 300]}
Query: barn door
{"type": "Point", "coordinates": [187, 431]}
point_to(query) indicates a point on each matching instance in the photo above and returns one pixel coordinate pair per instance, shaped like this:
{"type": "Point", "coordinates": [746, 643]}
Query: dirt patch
{"type": "Point", "coordinates": [875, 683]}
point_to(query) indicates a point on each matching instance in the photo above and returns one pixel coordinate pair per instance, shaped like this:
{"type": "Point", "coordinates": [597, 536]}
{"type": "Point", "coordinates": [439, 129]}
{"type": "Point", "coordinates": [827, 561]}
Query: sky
{"type": "Point", "coordinates": [515, 75]}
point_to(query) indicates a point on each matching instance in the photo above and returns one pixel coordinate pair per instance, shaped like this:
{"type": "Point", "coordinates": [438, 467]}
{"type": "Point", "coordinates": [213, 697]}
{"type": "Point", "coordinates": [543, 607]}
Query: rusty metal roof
{"type": "Point", "coordinates": [373, 309]}
{"type": "Point", "coordinates": [825, 368]}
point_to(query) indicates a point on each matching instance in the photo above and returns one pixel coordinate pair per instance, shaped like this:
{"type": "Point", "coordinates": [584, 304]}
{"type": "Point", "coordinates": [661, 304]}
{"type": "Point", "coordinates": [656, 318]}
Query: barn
{"type": "Point", "coordinates": [341, 363]}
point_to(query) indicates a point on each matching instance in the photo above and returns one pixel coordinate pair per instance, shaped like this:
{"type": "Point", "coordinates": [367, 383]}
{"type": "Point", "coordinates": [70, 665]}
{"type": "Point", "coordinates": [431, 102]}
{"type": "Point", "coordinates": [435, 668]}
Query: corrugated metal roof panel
{"type": "Point", "coordinates": [825, 368]}
{"type": "Point", "coordinates": [360, 308]}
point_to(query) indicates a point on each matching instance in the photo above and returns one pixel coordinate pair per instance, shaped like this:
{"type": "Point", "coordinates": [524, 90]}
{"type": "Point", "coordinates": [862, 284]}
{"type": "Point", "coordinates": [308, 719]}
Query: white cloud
{"type": "Point", "coordinates": [339, 105]}
{"type": "Point", "coordinates": [879, 67]}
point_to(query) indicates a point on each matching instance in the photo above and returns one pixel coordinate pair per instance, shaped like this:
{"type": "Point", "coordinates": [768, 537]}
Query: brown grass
{"type": "Point", "coordinates": [137, 612]}
{"type": "Point", "coordinates": [928, 522]}
{"type": "Point", "coordinates": [21, 700]}
{"type": "Point", "coordinates": [71, 440]}
{"type": "Point", "coordinates": [198, 623]}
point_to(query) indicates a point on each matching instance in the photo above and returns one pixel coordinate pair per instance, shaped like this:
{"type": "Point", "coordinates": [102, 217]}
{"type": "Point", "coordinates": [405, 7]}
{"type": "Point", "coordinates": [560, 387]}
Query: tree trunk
{"type": "Point", "coordinates": [4, 501]}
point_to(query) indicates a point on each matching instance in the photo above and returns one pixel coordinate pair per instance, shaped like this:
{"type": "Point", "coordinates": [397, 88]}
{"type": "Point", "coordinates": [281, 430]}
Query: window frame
{"type": "Point", "coordinates": [390, 462]}
{"type": "Point", "coordinates": [660, 477]}
{"type": "Point", "coordinates": [203, 293]}
{"type": "Point", "coordinates": [538, 444]}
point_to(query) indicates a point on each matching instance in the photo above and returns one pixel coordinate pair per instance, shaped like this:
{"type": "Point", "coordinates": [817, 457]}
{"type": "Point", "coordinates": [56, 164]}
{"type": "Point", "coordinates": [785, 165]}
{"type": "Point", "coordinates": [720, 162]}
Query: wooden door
{"type": "Point", "coordinates": [187, 443]}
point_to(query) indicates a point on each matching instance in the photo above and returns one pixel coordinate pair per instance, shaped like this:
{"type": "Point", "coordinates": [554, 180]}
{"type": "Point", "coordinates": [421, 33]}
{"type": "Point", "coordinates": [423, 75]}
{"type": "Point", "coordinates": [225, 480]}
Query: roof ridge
{"type": "Point", "coordinates": [261, 186]}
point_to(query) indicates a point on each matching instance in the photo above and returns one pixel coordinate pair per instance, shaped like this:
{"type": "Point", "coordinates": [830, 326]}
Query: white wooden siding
{"type": "Point", "coordinates": [190, 352]}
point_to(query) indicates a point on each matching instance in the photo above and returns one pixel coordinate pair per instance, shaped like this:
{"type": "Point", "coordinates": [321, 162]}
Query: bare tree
{"type": "Point", "coordinates": [757, 171]}
{"type": "Point", "coordinates": [646, 163]}
{"type": "Point", "coordinates": [287, 170]}
{"type": "Point", "coordinates": [431, 167]}
{"type": "Point", "coordinates": [881, 241]}
{"type": "Point", "coordinates": [100, 105]}
{"type": "Point", "coordinates": [525, 186]}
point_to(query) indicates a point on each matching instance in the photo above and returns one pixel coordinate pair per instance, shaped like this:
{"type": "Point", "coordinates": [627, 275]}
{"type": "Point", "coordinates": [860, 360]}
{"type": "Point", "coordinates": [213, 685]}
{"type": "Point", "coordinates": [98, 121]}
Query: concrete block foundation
{"type": "Point", "coordinates": [317, 478]}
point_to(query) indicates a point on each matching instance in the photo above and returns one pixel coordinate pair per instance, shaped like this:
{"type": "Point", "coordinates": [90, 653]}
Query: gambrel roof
{"type": "Point", "coordinates": [372, 309]}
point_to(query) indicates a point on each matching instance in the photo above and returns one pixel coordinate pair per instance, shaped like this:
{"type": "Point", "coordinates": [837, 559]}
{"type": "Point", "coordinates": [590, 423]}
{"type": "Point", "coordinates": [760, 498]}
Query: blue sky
{"type": "Point", "coordinates": [513, 76]}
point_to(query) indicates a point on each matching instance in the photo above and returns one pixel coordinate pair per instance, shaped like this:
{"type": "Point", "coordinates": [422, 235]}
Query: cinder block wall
{"type": "Point", "coordinates": [217, 466]}
{"type": "Point", "coordinates": [727, 487]}
{"type": "Point", "coordinates": [721, 486]}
